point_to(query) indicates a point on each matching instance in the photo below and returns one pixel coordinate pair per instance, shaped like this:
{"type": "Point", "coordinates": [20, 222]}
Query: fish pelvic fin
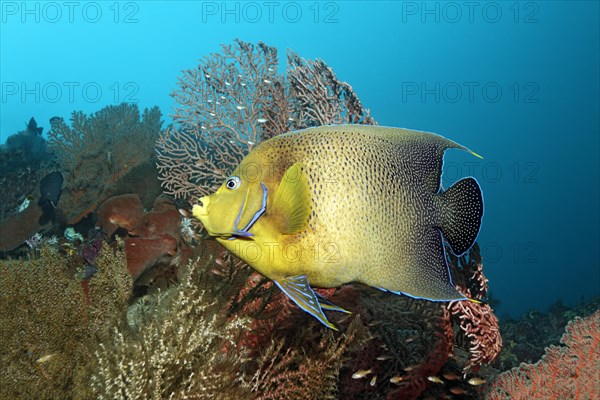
{"type": "Point", "coordinates": [329, 306]}
{"type": "Point", "coordinates": [460, 210]}
{"type": "Point", "coordinates": [298, 289]}
{"type": "Point", "coordinates": [292, 200]}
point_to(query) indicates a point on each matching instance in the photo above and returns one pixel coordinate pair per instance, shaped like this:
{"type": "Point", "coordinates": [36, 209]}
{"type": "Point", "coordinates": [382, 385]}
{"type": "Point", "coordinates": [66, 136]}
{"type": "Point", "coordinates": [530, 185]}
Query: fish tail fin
{"type": "Point", "coordinates": [460, 210]}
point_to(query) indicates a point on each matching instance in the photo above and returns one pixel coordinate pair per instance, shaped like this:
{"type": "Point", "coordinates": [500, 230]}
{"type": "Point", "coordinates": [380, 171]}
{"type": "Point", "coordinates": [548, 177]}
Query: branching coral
{"type": "Point", "coordinates": [527, 337]}
{"type": "Point", "coordinates": [320, 98]}
{"type": "Point", "coordinates": [96, 151]}
{"type": "Point", "coordinates": [284, 354]}
{"type": "Point", "coordinates": [173, 347]}
{"type": "Point", "coordinates": [569, 371]}
{"type": "Point", "coordinates": [412, 341]}
{"type": "Point", "coordinates": [293, 372]}
{"type": "Point", "coordinates": [47, 326]}
{"type": "Point", "coordinates": [109, 291]}
{"type": "Point", "coordinates": [236, 99]}
{"type": "Point", "coordinates": [224, 108]}
{"type": "Point", "coordinates": [479, 330]}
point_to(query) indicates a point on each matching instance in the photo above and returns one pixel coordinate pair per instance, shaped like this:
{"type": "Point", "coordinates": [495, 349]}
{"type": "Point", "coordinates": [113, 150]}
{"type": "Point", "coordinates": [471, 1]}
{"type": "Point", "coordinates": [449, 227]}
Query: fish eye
{"type": "Point", "coordinates": [233, 183]}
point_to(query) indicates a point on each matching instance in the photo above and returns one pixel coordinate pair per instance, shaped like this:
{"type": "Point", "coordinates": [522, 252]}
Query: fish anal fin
{"type": "Point", "coordinates": [426, 274]}
{"type": "Point", "coordinates": [291, 204]}
{"type": "Point", "coordinates": [298, 289]}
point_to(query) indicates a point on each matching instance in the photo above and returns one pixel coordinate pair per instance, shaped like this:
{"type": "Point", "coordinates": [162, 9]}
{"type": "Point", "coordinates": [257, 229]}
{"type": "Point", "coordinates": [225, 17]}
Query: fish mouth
{"type": "Point", "coordinates": [200, 212]}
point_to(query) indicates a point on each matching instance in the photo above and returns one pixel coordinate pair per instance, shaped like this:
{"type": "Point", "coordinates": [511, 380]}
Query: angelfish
{"type": "Point", "coordinates": [330, 205]}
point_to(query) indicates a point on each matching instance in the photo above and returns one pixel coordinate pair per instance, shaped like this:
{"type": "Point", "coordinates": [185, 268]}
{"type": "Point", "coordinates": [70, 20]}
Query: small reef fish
{"type": "Point", "coordinates": [24, 204]}
{"type": "Point", "coordinates": [46, 358]}
{"type": "Point", "coordinates": [32, 127]}
{"type": "Point", "coordinates": [396, 379]}
{"type": "Point", "coordinates": [51, 188]}
{"type": "Point", "coordinates": [457, 390]}
{"type": "Point", "coordinates": [50, 191]}
{"type": "Point", "coordinates": [330, 205]}
{"type": "Point", "coordinates": [410, 339]}
{"type": "Point", "coordinates": [476, 381]}
{"type": "Point", "coordinates": [361, 373]}
{"type": "Point", "coordinates": [435, 379]}
{"type": "Point", "coordinates": [450, 376]}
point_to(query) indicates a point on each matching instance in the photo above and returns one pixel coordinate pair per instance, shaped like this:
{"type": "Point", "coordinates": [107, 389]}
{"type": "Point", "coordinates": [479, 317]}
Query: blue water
{"type": "Point", "coordinates": [517, 82]}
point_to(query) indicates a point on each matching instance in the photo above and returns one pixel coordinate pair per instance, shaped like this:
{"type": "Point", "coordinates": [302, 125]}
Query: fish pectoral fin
{"type": "Point", "coordinates": [327, 305]}
{"type": "Point", "coordinates": [298, 289]}
{"type": "Point", "coordinates": [292, 200]}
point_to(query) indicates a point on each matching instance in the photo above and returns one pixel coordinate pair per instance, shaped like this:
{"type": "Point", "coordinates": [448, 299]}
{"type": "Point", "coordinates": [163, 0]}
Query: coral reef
{"type": "Point", "coordinates": [406, 345]}
{"type": "Point", "coordinates": [153, 240]}
{"type": "Point", "coordinates": [24, 160]}
{"type": "Point", "coordinates": [97, 151]}
{"type": "Point", "coordinates": [27, 147]}
{"type": "Point", "coordinates": [412, 341]}
{"type": "Point", "coordinates": [47, 326]}
{"type": "Point", "coordinates": [134, 318]}
{"type": "Point", "coordinates": [236, 99]}
{"type": "Point", "coordinates": [479, 330]}
{"type": "Point", "coordinates": [16, 229]}
{"type": "Point", "coordinates": [224, 332]}
{"type": "Point", "coordinates": [569, 371]}
{"type": "Point", "coordinates": [120, 212]}
{"type": "Point", "coordinates": [526, 338]}
{"type": "Point", "coordinates": [319, 98]}
{"type": "Point", "coordinates": [172, 347]}
{"type": "Point", "coordinates": [293, 371]}
{"type": "Point", "coordinates": [219, 117]}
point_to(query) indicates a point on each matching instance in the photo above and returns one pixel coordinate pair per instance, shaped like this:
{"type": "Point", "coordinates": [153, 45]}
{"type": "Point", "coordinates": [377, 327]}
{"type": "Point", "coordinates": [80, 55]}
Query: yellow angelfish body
{"type": "Point", "coordinates": [331, 205]}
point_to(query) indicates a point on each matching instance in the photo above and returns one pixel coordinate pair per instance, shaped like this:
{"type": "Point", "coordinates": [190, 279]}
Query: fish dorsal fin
{"type": "Point", "coordinates": [291, 204]}
{"type": "Point", "coordinates": [422, 154]}
{"type": "Point", "coordinates": [298, 289]}
{"type": "Point", "coordinates": [432, 166]}
{"type": "Point", "coordinates": [427, 165]}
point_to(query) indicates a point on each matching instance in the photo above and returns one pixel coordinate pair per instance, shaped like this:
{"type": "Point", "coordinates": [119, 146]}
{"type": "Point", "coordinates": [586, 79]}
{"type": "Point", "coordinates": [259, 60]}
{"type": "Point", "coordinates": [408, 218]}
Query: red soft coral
{"type": "Point", "coordinates": [565, 372]}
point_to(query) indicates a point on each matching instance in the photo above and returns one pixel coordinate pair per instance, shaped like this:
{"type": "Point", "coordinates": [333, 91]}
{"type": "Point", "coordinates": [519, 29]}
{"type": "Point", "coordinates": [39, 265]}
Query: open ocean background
{"type": "Point", "coordinates": [517, 82]}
